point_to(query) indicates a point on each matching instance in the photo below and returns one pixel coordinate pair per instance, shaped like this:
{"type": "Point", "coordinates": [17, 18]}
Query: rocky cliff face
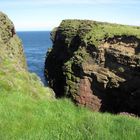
{"type": "Point", "coordinates": [96, 64]}
{"type": "Point", "coordinates": [10, 45]}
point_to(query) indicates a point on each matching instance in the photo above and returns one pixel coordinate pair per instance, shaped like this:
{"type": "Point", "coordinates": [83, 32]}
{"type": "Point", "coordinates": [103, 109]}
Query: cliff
{"type": "Point", "coordinates": [10, 45]}
{"type": "Point", "coordinates": [96, 64]}
{"type": "Point", "coordinates": [14, 77]}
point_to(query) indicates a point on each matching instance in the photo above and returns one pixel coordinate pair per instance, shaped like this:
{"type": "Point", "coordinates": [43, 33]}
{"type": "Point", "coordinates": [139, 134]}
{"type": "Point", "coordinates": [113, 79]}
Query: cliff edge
{"type": "Point", "coordinates": [96, 64]}
{"type": "Point", "coordinates": [10, 45]}
{"type": "Point", "coordinates": [14, 76]}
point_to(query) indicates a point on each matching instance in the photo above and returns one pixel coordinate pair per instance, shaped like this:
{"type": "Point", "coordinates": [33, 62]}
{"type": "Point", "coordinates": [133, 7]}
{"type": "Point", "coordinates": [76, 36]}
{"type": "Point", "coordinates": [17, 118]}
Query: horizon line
{"type": "Point", "coordinates": [33, 30]}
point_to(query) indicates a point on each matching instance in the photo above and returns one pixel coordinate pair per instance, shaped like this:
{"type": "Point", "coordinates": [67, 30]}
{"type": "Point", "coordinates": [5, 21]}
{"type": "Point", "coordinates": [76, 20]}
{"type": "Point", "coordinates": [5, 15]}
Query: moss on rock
{"type": "Point", "coordinates": [95, 63]}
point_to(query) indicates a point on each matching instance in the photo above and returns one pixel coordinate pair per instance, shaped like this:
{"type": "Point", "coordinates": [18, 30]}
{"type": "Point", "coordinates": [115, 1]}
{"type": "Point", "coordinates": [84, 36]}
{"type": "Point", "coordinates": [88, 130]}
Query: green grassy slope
{"type": "Point", "coordinates": [28, 111]}
{"type": "Point", "coordinates": [23, 118]}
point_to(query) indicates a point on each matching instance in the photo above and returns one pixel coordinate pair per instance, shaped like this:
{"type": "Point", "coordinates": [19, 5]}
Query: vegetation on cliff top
{"type": "Point", "coordinates": [93, 32]}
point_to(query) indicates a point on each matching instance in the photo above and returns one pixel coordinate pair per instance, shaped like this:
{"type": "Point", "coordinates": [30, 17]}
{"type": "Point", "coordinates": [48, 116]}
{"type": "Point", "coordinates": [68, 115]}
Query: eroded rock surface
{"type": "Point", "coordinates": [96, 64]}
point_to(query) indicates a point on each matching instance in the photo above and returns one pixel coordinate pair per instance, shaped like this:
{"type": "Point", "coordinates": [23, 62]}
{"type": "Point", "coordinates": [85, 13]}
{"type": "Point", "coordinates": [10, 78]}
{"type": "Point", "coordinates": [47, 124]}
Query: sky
{"type": "Point", "coordinates": [33, 15]}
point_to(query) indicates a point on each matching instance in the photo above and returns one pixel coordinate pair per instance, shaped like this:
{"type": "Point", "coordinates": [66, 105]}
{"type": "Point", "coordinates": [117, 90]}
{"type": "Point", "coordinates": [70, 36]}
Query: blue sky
{"type": "Point", "coordinates": [47, 14]}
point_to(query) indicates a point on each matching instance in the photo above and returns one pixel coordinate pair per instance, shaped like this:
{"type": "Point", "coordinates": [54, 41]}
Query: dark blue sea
{"type": "Point", "coordinates": [35, 45]}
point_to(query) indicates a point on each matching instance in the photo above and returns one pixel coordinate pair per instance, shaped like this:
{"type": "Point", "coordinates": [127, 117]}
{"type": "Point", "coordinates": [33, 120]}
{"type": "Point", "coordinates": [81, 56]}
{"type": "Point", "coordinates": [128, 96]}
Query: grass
{"type": "Point", "coordinates": [93, 32]}
{"type": "Point", "coordinates": [14, 80]}
{"type": "Point", "coordinates": [28, 111]}
{"type": "Point", "coordinates": [24, 118]}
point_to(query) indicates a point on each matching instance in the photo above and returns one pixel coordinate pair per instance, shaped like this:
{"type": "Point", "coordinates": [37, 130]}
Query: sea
{"type": "Point", "coordinates": [36, 44]}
